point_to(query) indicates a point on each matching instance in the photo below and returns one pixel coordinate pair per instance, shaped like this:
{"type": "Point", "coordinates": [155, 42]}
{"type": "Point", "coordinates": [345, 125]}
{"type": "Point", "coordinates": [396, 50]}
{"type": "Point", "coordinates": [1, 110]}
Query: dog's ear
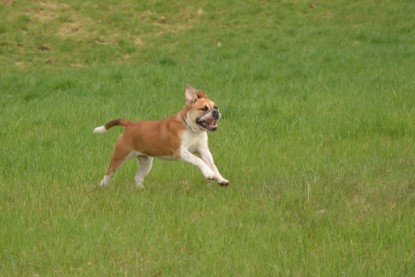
{"type": "Point", "coordinates": [201, 94]}
{"type": "Point", "coordinates": [193, 94]}
{"type": "Point", "coordinates": [190, 94]}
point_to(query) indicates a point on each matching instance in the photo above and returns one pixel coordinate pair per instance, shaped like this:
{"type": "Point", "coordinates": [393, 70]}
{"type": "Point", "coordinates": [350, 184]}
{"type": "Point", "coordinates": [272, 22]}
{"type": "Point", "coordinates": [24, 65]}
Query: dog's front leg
{"type": "Point", "coordinates": [208, 158]}
{"type": "Point", "coordinates": [186, 156]}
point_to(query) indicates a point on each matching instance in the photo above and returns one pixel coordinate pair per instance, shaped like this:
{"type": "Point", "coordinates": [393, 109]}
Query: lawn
{"type": "Point", "coordinates": [317, 137]}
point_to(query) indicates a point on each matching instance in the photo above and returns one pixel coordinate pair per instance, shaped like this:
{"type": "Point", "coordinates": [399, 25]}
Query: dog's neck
{"type": "Point", "coordinates": [188, 125]}
{"type": "Point", "coordinates": [187, 122]}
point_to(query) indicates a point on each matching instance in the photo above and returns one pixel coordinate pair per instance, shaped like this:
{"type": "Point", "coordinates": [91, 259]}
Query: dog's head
{"type": "Point", "coordinates": [201, 113]}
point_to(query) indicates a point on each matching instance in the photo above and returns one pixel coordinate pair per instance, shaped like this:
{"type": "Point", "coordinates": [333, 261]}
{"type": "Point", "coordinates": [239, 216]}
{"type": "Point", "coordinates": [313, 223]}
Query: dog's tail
{"type": "Point", "coordinates": [110, 124]}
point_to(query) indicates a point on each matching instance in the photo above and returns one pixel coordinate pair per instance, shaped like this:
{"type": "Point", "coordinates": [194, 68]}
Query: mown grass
{"type": "Point", "coordinates": [317, 138]}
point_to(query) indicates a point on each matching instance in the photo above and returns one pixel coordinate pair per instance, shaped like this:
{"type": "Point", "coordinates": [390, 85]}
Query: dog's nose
{"type": "Point", "coordinates": [215, 113]}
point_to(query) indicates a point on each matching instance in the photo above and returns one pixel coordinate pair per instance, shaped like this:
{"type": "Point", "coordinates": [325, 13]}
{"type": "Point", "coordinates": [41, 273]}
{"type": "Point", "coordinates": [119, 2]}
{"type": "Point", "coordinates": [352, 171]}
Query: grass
{"type": "Point", "coordinates": [317, 138]}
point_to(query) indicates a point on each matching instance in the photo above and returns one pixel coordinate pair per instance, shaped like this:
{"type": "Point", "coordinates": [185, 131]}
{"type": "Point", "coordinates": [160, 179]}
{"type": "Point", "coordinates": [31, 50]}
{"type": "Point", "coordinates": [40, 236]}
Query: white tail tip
{"type": "Point", "coordinates": [100, 130]}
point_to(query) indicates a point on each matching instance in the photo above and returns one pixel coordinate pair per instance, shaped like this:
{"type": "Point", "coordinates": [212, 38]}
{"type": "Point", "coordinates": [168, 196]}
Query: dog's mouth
{"type": "Point", "coordinates": [209, 124]}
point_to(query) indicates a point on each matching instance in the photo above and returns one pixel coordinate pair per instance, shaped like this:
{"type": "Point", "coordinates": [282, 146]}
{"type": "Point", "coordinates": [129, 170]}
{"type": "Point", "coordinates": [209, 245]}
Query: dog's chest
{"type": "Point", "coordinates": [193, 141]}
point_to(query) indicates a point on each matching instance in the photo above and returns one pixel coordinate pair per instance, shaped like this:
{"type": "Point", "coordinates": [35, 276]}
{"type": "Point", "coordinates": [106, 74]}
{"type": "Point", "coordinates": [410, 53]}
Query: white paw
{"type": "Point", "coordinates": [105, 181]}
{"type": "Point", "coordinates": [209, 174]}
{"type": "Point", "coordinates": [223, 182]}
{"type": "Point", "coordinates": [139, 185]}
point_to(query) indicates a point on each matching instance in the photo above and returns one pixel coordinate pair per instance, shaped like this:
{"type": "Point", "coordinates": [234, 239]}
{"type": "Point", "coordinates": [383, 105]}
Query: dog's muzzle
{"type": "Point", "coordinates": [215, 114]}
{"type": "Point", "coordinates": [209, 120]}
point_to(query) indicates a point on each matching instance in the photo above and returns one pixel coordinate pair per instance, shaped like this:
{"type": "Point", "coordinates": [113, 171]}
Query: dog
{"type": "Point", "coordinates": [177, 137]}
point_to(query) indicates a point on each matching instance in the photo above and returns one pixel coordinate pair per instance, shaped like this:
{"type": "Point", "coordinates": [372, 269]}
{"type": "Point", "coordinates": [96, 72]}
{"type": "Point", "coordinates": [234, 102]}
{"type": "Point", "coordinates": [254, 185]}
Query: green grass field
{"type": "Point", "coordinates": [317, 138]}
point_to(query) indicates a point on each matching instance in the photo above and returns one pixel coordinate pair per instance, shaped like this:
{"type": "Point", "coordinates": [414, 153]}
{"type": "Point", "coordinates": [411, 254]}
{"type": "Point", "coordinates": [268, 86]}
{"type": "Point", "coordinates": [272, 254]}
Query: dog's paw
{"type": "Point", "coordinates": [209, 174]}
{"type": "Point", "coordinates": [139, 185]}
{"type": "Point", "coordinates": [105, 182]}
{"type": "Point", "coordinates": [211, 178]}
{"type": "Point", "coordinates": [223, 182]}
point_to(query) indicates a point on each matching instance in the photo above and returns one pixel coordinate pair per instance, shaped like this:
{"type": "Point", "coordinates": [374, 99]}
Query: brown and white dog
{"type": "Point", "coordinates": [174, 138]}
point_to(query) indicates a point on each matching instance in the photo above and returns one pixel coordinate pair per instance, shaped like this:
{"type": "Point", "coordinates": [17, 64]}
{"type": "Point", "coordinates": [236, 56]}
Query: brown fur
{"type": "Point", "coordinates": [164, 138]}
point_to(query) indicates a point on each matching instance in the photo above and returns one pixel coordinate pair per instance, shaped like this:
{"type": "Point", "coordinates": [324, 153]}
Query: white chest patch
{"type": "Point", "coordinates": [194, 141]}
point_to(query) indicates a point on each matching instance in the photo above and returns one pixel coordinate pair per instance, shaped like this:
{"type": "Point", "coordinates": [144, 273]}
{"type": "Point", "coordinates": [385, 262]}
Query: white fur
{"type": "Point", "coordinates": [144, 167]}
{"type": "Point", "coordinates": [198, 142]}
{"type": "Point", "coordinates": [100, 130]}
{"type": "Point", "coordinates": [105, 181]}
{"type": "Point", "coordinates": [191, 142]}
{"type": "Point", "coordinates": [194, 139]}
{"type": "Point", "coordinates": [107, 178]}
{"type": "Point", "coordinates": [209, 114]}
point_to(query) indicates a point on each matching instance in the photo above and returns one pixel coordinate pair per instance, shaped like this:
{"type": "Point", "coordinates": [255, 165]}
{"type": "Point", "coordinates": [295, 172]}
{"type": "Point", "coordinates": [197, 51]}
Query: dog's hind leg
{"type": "Point", "coordinates": [121, 154]}
{"type": "Point", "coordinates": [144, 166]}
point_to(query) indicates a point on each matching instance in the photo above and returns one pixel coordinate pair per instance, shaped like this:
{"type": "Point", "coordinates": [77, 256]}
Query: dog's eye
{"type": "Point", "coordinates": [205, 108]}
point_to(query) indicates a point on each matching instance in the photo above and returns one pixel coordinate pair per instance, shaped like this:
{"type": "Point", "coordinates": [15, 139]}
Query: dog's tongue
{"type": "Point", "coordinates": [211, 121]}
